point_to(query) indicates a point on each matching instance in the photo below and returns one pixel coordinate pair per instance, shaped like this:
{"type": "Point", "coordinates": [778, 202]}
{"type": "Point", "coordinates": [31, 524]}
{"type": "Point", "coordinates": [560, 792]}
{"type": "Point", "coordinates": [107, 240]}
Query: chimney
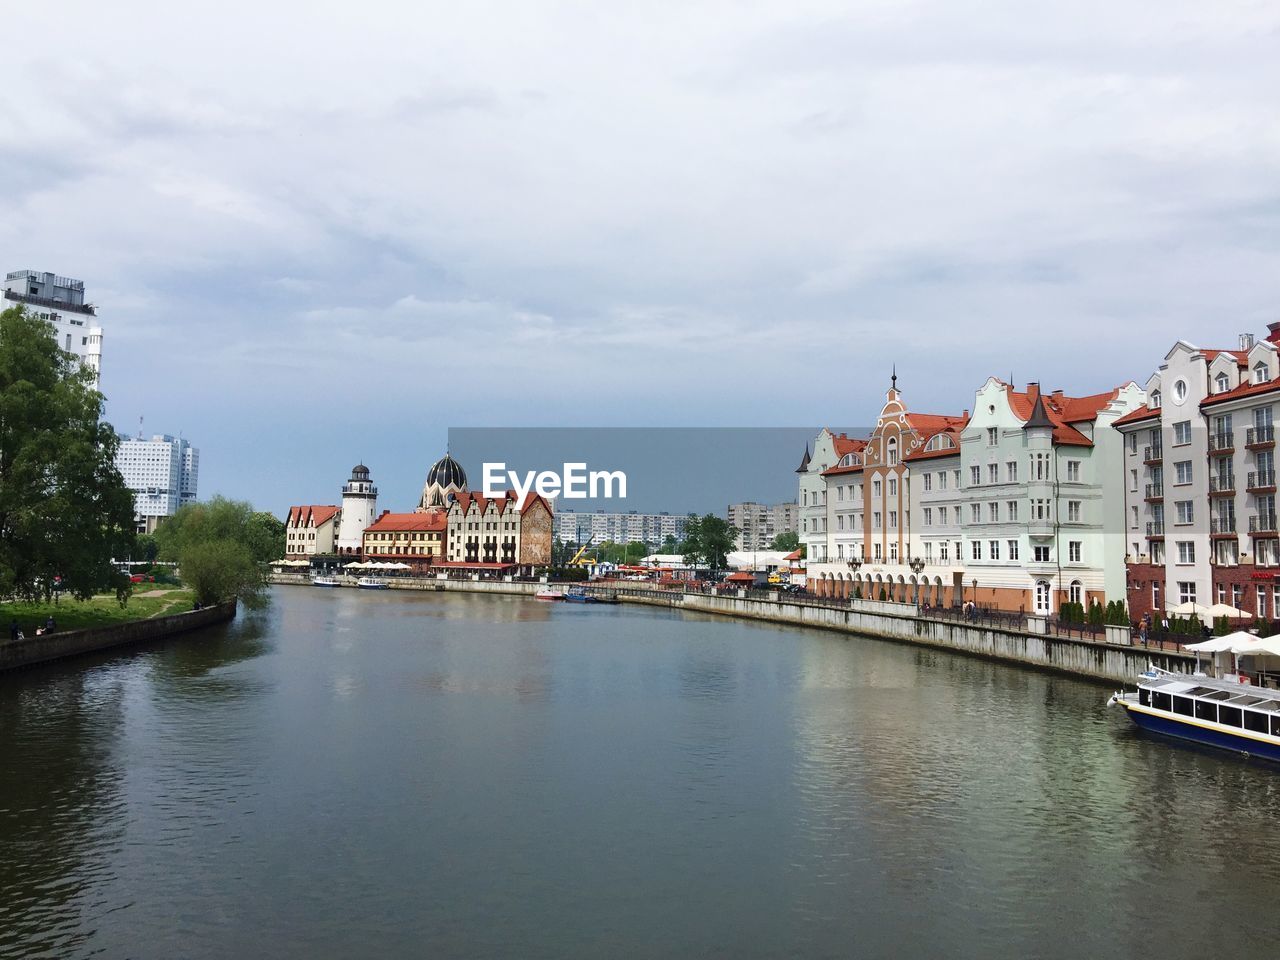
{"type": "Point", "coordinates": [1058, 395]}
{"type": "Point", "coordinates": [1033, 390]}
{"type": "Point", "coordinates": [965, 415]}
{"type": "Point", "coordinates": [1246, 341]}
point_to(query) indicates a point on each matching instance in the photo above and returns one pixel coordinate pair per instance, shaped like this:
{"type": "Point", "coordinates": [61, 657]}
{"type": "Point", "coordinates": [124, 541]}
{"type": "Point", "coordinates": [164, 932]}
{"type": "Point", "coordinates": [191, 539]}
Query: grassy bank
{"type": "Point", "coordinates": [148, 600]}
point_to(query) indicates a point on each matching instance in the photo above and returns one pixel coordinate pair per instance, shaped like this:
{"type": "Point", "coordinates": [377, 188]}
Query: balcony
{"type": "Point", "coordinates": [1263, 525]}
{"type": "Point", "coordinates": [1222, 485]}
{"type": "Point", "coordinates": [1222, 526]}
{"type": "Point", "coordinates": [1261, 481]}
{"type": "Point", "coordinates": [1155, 491]}
{"type": "Point", "coordinates": [1222, 443]}
{"type": "Point", "coordinates": [1153, 453]}
{"type": "Point", "coordinates": [1258, 438]}
{"type": "Point", "coordinates": [1155, 528]}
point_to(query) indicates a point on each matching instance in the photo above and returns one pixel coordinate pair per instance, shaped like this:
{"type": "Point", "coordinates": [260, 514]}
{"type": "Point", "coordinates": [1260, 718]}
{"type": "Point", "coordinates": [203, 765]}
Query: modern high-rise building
{"type": "Point", "coordinates": [649, 528]}
{"type": "Point", "coordinates": [60, 300]}
{"type": "Point", "coordinates": [162, 473]}
{"type": "Point", "coordinates": [759, 523]}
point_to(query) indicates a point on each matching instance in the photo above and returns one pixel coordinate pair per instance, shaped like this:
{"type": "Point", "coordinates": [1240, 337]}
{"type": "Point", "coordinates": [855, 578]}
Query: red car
{"type": "Point", "coordinates": [139, 578]}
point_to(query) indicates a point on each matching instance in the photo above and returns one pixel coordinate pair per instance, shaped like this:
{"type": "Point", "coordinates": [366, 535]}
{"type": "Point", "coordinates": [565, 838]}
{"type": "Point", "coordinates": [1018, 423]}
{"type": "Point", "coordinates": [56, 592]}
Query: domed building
{"type": "Point", "coordinates": [445, 479]}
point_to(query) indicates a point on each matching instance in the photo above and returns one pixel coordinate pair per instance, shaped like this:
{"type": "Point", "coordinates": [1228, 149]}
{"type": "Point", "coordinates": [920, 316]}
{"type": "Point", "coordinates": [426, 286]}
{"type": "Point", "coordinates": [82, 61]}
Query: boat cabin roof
{"type": "Point", "coordinates": [1233, 694]}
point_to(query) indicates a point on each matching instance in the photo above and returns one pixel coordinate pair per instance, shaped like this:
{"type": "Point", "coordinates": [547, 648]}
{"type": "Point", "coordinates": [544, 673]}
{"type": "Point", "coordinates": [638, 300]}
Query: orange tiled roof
{"type": "Point", "coordinates": [1062, 411]}
{"type": "Point", "coordinates": [846, 445]}
{"type": "Point", "coordinates": [432, 520]}
{"type": "Point", "coordinates": [1244, 390]}
{"type": "Point", "coordinates": [307, 515]}
{"type": "Point", "coordinates": [1137, 416]}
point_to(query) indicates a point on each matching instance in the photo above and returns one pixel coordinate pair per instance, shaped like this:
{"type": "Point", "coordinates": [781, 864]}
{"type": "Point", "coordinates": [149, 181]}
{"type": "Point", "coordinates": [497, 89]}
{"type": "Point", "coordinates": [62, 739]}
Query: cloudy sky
{"type": "Point", "coordinates": [325, 232]}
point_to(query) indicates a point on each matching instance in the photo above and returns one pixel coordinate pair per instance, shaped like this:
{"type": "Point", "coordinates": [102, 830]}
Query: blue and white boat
{"type": "Point", "coordinates": [1225, 712]}
{"type": "Point", "coordinates": [325, 582]}
{"type": "Point", "coordinates": [372, 583]}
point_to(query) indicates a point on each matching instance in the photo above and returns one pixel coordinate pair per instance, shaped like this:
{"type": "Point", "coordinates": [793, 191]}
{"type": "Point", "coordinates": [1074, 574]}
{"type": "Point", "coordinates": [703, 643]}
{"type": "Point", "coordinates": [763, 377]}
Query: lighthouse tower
{"type": "Point", "coordinates": [359, 509]}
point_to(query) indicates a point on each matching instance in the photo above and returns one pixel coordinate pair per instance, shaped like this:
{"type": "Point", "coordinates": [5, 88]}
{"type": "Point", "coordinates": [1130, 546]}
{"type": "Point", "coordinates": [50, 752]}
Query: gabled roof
{"type": "Point", "coordinates": [306, 516]}
{"type": "Point", "coordinates": [1061, 411]}
{"type": "Point", "coordinates": [507, 501]}
{"type": "Point", "coordinates": [846, 445]}
{"type": "Point", "coordinates": [431, 520]}
{"type": "Point", "coordinates": [1244, 390]}
{"type": "Point", "coordinates": [1143, 412]}
{"type": "Point", "coordinates": [930, 425]}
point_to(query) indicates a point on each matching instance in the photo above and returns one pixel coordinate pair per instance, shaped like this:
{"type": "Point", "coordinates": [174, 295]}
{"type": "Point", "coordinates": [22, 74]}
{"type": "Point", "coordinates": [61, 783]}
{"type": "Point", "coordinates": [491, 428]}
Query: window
{"type": "Point", "coordinates": [1261, 374]}
{"type": "Point", "coordinates": [1133, 481]}
{"type": "Point", "coordinates": [1186, 552]}
{"type": "Point", "coordinates": [878, 552]}
{"type": "Point", "coordinates": [1012, 510]}
{"type": "Point", "coordinates": [1262, 603]}
{"type": "Point", "coordinates": [975, 512]}
{"type": "Point", "coordinates": [1039, 466]}
{"type": "Point", "coordinates": [993, 473]}
{"type": "Point", "coordinates": [994, 547]}
{"type": "Point", "coordinates": [975, 547]}
{"type": "Point", "coordinates": [1040, 554]}
{"type": "Point", "coordinates": [993, 436]}
{"type": "Point", "coordinates": [1073, 471]}
{"type": "Point", "coordinates": [875, 520]}
{"type": "Point", "coordinates": [1073, 551]}
{"type": "Point", "coordinates": [1073, 511]}
{"type": "Point", "coordinates": [1186, 592]}
{"type": "Point", "coordinates": [1221, 384]}
{"type": "Point", "coordinates": [942, 516]}
{"type": "Point", "coordinates": [993, 512]}
{"type": "Point", "coordinates": [1133, 520]}
{"type": "Point", "coordinates": [1011, 471]}
{"type": "Point", "coordinates": [1181, 432]}
{"type": "Point", "coordinates": [1180, 391]}
{"type": "Point", "coordinates": [942, 480]}
{"type": "Point", "coordinates": [875, 489]}
{"type": "Point", "coordinates": [928, 482]}
{"type": "Point", "coordinates": [893, 451]}
{"type": "Point", "coordinates": [955, 475]}
{"type": "Point", "coordinates": [943, 551]}
{"type": "Point", "coordinates": [1133, 443]}
{"type": "Point", "coordinates": [1039, 509]}
{"type": "Point", "coordinates": [1155, 399]}
{"type": "Point", "coordinates": [928, 551]}
{"type": "Point", "coordinates": [1013, 549]}
{"type": "Point", "coordinates": [893, 486]}
{"type": "Point", "coordinates": [1186, 511]}
{"type": "Point", "coordinates": [1077, 592]}
{"type": "Point", "coordinates": [893, 519]}
{"type": "Point", "coordinates": [975, 476]}
{"type": "Point", "coordinates": [1182, 472]}
{"type": "Point", "coordinates": [928, 517]}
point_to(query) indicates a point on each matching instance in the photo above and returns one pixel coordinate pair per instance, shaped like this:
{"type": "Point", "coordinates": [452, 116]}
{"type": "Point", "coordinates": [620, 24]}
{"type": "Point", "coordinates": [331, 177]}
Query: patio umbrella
{"type": "Point", "coordinates": [1187, 609]}
{"type": "Point", "coordinates": [1226, 610]}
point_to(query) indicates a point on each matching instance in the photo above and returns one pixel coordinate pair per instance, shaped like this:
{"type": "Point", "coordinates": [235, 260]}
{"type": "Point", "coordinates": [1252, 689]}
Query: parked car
{"type": "Point", "coordinates": [142, 578]}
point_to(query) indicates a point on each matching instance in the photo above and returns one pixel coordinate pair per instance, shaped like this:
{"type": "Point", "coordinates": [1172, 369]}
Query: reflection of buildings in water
{"type": "Point", "coordinates": [61, 801]}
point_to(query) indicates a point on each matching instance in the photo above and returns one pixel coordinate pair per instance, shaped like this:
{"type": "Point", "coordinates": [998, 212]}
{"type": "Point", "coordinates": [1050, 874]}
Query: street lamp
{"type": "Point", "coordinates": [916, 565]}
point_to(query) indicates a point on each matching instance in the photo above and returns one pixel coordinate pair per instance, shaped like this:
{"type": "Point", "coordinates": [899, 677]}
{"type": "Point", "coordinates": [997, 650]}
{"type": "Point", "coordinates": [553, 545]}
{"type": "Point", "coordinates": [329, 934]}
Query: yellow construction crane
{"type": "Point", "coordinates": [579, 558]}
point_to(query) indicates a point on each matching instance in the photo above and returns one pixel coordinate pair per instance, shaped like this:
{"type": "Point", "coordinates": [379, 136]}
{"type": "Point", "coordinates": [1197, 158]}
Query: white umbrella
{"type": "Point", "coordinates": [1187, 609]}
{"type": "Point", "coordinates": [1215, 644]}
{"type": "Point", "coordinates": [1226, 610]}
{"type": "Point", "coordinates": [1265, 646]}
{"type": "Point", "coordinates": [354, 565]}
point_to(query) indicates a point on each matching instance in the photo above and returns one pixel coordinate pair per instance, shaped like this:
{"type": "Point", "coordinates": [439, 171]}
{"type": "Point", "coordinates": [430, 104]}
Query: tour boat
{"type": "Point", "coordinates": [578, 595]}
{"type": "Point", "coordinates": [548, 594]}
{"type": "Point", "coordinates": [371, 583]}
{"type": "Point", "coordinates": [1227, 712]}
{"type": "Point", "coordinates": [325, 582]}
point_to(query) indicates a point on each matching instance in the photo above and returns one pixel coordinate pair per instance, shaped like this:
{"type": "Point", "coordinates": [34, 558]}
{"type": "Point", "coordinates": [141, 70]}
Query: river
{"type": "Point", "coordinates": [353, 774]}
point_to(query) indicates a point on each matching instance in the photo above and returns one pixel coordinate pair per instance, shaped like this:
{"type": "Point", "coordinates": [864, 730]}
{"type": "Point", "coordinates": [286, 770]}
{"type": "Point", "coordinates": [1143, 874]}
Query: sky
{"type": "Point", "coordinates": [325, 233]}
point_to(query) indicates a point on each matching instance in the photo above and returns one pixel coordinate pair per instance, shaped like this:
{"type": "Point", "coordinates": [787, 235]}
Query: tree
{"type": "Point", "coordinates": [669, 545]}
{"type": "Point", "coordinates": [788, 540]}
{"type": "Point", "coordinates": [707, 540]}
{"type": "Point", "coordinates": [691, 548]}
{"type": "Point", "coordinates": [221, 548]}
{"type": "Point", "coordinates": [65, 512]}
{"type": "Point", "coordinates": [146, 548]}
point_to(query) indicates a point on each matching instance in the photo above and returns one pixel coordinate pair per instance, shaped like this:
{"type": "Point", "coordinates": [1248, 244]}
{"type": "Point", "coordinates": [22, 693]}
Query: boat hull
{"type": "Point", "coordinates": [1186, 730]}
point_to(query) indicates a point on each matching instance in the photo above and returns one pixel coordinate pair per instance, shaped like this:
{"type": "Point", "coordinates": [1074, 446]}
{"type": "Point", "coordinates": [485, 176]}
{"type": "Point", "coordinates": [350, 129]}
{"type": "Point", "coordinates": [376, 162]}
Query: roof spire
{"type": "Point", "coordinates": [894, 378]}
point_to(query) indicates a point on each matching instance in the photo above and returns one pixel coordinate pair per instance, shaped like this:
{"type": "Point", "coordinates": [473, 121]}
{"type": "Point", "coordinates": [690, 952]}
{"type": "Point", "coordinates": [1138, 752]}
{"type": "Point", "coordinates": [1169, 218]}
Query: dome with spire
{"type": "Point", "coordinates": [445, 478]}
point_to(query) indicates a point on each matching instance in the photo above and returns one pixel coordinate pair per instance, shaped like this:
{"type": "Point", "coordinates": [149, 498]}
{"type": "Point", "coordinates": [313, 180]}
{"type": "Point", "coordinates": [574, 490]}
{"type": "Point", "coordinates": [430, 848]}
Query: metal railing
{"type": "Point", "coordinates": [1262, 523]}
{"type": "Point", "coordinates": [1152, 453]}
{"type": "Point", "coordinates": [1222, 483]}
{"type": "Point", "coordinates": [1259, 479]}
{"type": "Point", "coordinates": [1222, 524]}
{"type": "Point", "coordinates": [1221, 442]}
{"type": "Point", "coordinates": [1256, 436]}
{"type": "Point", "coordinates": [1155, 528]}
{"type": "Point", "coordinates": [1155, 491]}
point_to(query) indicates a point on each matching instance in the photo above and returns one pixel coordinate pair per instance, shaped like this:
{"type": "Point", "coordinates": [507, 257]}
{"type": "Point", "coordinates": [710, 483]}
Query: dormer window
{"type": "Point", "coordinates": [1155, 399]}
{"type": "Point", "coordinates": [1221, 384]}
{"type": "Point", "coordinates": [1261, 374]}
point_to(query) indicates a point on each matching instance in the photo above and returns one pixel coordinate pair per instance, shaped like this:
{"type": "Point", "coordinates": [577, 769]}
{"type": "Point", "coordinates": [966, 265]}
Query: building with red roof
{"type": "Point", "coordinates": [416, 539]}
{"type": "Point", "coordinates": [506, 530]}
{"type": "Point", "coordinates": [310, 531]}
{"type": "Point", "coordinates": [1200, 521]}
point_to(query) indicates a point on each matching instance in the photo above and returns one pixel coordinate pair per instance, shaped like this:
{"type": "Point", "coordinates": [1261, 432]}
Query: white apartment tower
{"type": "Point", "coordinates": [162, 473]}
{"type": "Point", "coordinates": [60, 300]}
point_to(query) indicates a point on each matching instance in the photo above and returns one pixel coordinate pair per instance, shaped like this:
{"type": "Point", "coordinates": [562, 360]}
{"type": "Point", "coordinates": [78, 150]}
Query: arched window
{"type": "Point", "coordinates": [891, 456]}
{"type": "Point", "coordinates": [1077, 592]}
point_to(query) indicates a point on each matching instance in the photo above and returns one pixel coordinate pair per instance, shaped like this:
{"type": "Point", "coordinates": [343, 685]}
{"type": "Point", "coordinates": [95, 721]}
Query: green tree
{"type": "Point", "coordinates": [65, 512]}
{"type": "Point", "coordinates": [716, 537]}
{"type": "Point", "coordinates": [669, 545]}
{"type": "Point", "coordinates": [221, 548]}
{"type": "Point", "coordinates": [788, 540]}
{"type": "Point", "coordinates": [691, 547]}
{"type": "Point", "coordinates": [146, 548]}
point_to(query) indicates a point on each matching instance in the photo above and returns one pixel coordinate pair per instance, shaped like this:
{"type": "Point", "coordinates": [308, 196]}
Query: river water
{"type": "Point", "coordinates": [389, 775]}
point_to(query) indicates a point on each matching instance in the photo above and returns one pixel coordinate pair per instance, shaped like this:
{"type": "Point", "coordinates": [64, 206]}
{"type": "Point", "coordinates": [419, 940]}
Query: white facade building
{"type": "Point", "coordinates": [759, 523]}
{"type": "Point", "coordinates": [162, 473]}
{"type": "Point", "coordinates": [60, 300]}
{"type": "Point", "coordinates": [649, 528]}
{"type": "Point", "coordinates": [359, 510]}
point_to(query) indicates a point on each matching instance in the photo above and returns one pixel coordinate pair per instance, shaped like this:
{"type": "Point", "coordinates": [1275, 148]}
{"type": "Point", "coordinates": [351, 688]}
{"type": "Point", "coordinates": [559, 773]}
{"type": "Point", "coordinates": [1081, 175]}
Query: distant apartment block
{"type": "Point", "coordinates": [60, 300]}
{"type": "Point", "coordinates": [162, 473]}
{"type": "Point", "coordinates": [758, 523]}
{"type": "Point", "coordinates": [649, 528]}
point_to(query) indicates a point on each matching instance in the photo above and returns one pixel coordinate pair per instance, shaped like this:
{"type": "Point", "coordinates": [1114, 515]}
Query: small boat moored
{"type": "Point", "coordinates": [1228, 712]}
{"type": "Point", "coordinates": [325, 582]}
{"type": "Point", "coordinates": [548, 594]}
{"type": "Point", "coordinates": [371, 583]}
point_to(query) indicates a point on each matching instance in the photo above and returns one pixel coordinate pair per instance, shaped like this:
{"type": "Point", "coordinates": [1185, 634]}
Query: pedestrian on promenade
{"type": "Point", "coordinates": [49, 624]}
